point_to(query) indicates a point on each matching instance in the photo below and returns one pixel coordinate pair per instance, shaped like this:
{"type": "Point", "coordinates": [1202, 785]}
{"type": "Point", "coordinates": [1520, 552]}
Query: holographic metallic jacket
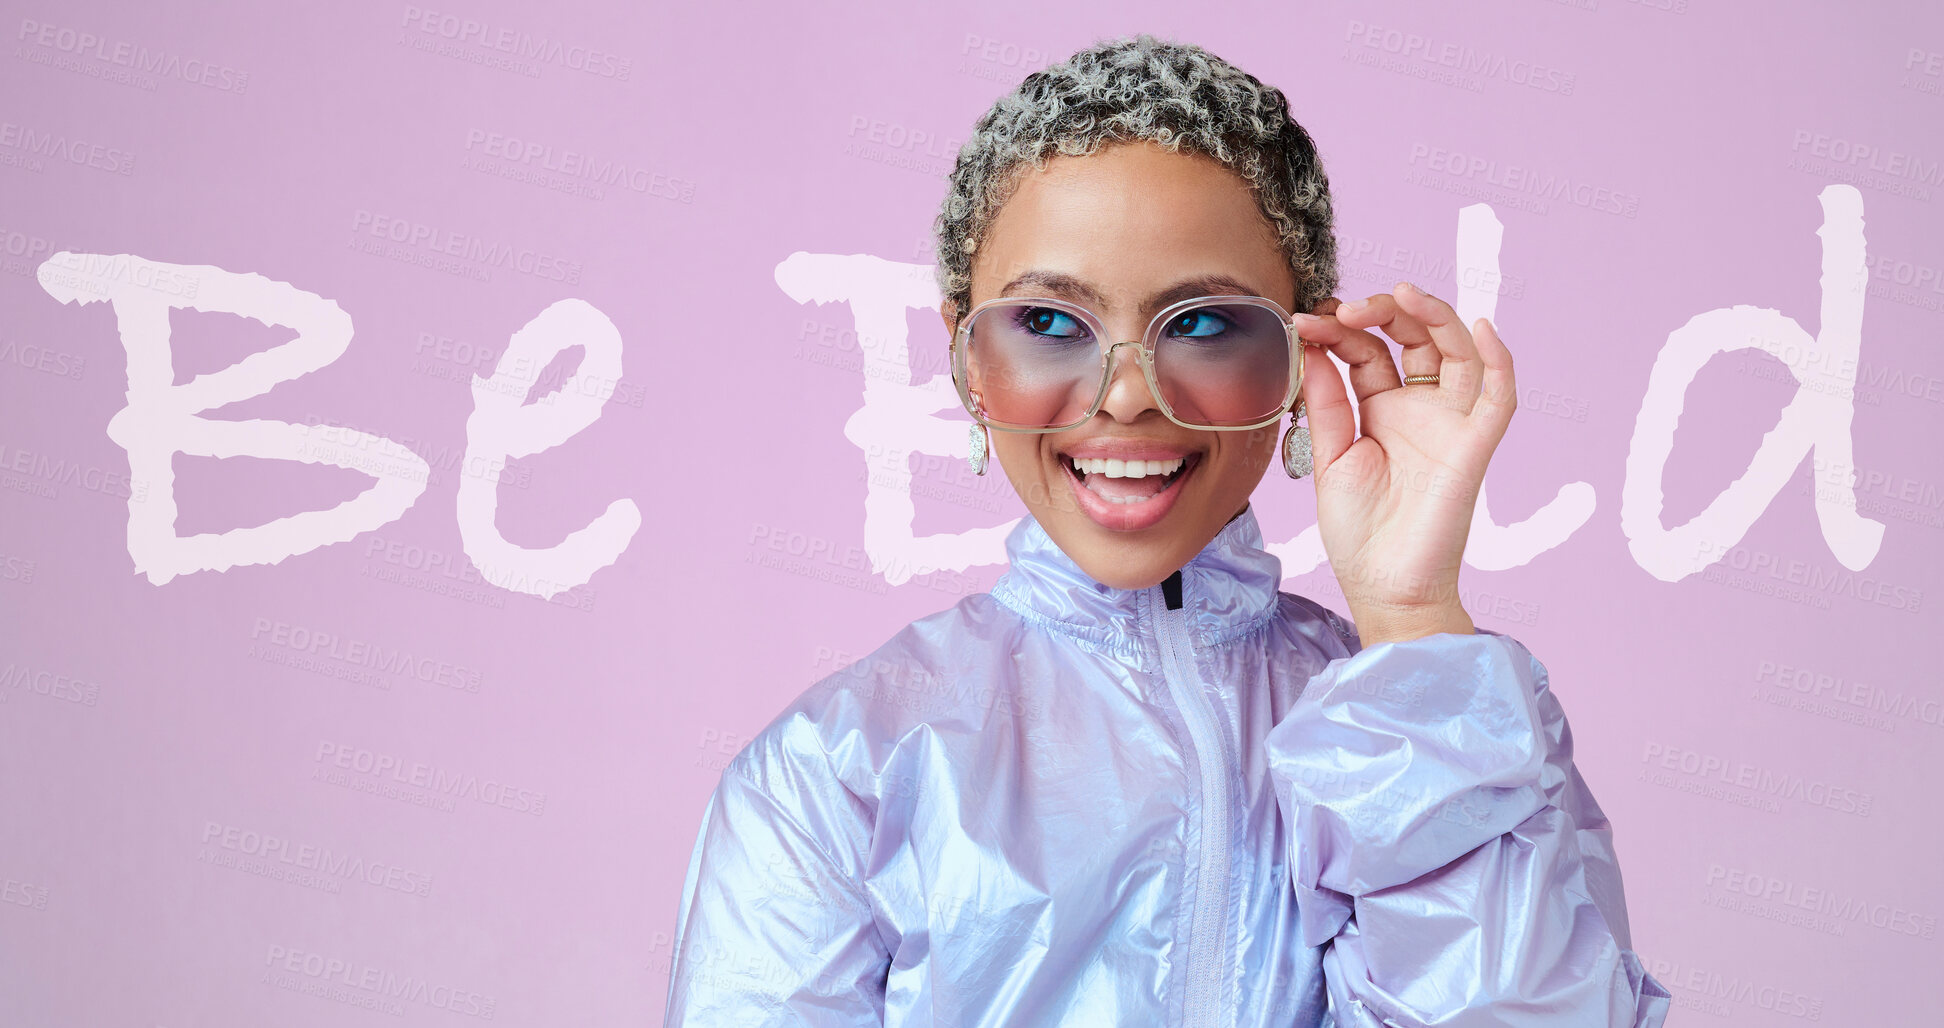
{"type": "Point", "coordinates": [1200, 804]}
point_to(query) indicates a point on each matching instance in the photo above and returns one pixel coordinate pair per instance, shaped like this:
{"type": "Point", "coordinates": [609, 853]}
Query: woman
{"type": "Point", "coordinates": [1135, 783]}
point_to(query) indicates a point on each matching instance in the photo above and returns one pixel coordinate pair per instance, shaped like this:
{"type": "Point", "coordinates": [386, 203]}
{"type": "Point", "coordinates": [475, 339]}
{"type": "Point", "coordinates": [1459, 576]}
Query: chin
{"type": "Point", "coordinates": [1120, 576]}
{"type": "Point", "coordinates": [1127, 561]}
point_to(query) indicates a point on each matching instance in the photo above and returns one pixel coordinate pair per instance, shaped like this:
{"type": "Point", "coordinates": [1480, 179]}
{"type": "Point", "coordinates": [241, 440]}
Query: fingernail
{"type": "Point", "coordinates": [1306, 318]}
{"type": "Point", "coordinates": [1351, 305]}
{"type": "Point", "coordinates": [1409, 288]}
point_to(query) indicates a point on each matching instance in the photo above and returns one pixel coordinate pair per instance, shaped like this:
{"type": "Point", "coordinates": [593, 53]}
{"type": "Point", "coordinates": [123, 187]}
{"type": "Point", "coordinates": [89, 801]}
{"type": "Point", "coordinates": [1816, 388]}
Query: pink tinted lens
{"type": "Point", "coordinates": [1223, 364]}
{"type": "Point", "coordinates": [1032, 366]}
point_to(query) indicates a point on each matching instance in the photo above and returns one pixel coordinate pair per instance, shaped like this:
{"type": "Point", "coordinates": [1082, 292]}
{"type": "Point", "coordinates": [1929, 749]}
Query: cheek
{"type": "Point", "coordinates": [1244, 463]}
{"type": "Point", "coordinates": [1233, 467]}
{"type": "Point", "coordinates": [1026, 468]}
{"type": "Point", "coordinates": [1259, 447]}
{"type": "Point", "coordinates": [1019, 453]}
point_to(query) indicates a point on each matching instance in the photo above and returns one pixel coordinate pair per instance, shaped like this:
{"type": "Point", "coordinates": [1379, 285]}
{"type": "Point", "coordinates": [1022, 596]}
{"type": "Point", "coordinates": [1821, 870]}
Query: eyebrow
{"type": "Point", "coordinates": [1068, 287]}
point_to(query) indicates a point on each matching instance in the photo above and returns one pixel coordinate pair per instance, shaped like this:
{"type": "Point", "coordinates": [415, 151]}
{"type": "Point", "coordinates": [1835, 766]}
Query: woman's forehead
{"type": "Point", "coordinates": [1137, 186]}
{"type": "Point", "coordinates": [1115, 294]}
{"type": "Point", "coordinates": [1120, 227]}
{"type": "Point", "coordinates": [1109, 279]}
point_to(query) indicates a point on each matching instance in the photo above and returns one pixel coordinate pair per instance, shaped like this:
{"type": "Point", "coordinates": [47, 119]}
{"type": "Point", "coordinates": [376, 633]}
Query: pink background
{"type": "Point", "coordinates": [152, 736]}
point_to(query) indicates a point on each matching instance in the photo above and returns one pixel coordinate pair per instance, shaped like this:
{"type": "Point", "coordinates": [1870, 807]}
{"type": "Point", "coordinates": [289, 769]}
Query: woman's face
{"type": "Point", "coordinates": [1132, 221]}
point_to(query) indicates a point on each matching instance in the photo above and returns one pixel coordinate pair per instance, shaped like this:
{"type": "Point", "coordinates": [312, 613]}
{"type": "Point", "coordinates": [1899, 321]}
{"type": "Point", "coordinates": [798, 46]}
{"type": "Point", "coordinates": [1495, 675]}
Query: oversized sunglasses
{"type": "Point", "coordinates": [1036, 364]}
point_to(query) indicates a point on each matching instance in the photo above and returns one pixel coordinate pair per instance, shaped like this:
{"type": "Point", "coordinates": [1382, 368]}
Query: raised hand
{"type": "Point", "coordinates": [1394, 504]}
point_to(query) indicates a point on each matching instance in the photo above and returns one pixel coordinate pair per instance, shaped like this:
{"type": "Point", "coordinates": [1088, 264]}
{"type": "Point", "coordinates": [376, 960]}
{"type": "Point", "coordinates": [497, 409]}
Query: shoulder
{"type": "Point", "coordinates": [847, 728]}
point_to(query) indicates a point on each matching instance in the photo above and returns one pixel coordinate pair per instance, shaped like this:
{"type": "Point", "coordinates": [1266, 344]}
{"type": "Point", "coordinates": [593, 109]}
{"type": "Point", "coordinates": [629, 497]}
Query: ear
{"type": "Point", "coordinates": [948, 311]}
{"type": "Point", "coordinates": [1327, 305]}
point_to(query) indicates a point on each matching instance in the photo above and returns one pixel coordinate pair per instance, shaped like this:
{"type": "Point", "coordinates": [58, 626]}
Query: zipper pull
{"type": "Point", "coordinates": [1171, 588]}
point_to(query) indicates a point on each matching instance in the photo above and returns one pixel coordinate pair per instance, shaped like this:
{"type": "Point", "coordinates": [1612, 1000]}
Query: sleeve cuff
{"type": "Point", "coordinates": [1405, 756]}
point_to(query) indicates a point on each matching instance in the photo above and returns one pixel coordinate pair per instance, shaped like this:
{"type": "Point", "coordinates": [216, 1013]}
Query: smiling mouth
{"type": "Point", "coordinates": [1125, 482]}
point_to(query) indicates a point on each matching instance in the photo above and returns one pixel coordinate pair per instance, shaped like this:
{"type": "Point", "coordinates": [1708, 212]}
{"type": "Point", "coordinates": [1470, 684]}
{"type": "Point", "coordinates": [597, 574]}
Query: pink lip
{"type": "Point", "coordinates": [1132, 517]}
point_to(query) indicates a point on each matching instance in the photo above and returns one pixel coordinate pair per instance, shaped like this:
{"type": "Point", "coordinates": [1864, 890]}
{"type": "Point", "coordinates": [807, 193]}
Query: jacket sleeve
{"type": "Point", "coordinates": [773, 928]}
{"type": "Point", "coordinates": [1445, 848]}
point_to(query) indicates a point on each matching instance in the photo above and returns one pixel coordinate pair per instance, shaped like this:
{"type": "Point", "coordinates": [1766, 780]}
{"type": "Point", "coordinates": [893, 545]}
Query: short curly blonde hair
{"type": "Point", "coordinates": [1174, 94]}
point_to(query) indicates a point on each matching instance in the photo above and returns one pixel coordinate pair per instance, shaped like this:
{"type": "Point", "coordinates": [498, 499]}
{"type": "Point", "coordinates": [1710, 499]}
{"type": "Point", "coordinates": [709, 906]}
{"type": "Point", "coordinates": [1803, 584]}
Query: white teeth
{"type": "Point", "coordinates": [1126, 468]}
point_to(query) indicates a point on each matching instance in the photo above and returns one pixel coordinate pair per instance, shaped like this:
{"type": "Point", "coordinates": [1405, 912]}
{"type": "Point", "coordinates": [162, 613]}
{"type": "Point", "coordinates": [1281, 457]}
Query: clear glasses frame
{"type": "Point", "coordinates": [1144, 351]}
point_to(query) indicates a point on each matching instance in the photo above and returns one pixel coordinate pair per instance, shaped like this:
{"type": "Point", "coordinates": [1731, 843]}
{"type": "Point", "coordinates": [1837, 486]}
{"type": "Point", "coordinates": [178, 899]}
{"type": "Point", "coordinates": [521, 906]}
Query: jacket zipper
{"type": "Point", "coordinates": [1205, 965]}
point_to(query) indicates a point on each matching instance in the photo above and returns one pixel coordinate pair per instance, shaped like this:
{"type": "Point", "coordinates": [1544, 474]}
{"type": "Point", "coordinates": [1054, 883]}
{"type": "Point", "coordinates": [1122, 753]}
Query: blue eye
{"type": "Point", "coordinates": [1204, 318]}
{"type": "Point", "coordinates": [1050, 323]}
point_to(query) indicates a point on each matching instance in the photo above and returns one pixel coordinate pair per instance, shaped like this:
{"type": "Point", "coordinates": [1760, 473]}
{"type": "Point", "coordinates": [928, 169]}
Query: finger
{"type": "Point", "coordinates": [1498, 394]}
{"type": "Point", "coordinates": [1459, 370]}
{"type": "Point", "coordinates": [1326, 405]}
{"type": "Point", "coordinates": [1434, 340]}
{"type": "Point", "coordinates": [1372, 369]}
{"type": "Point", "coordinates": [1382, 311]}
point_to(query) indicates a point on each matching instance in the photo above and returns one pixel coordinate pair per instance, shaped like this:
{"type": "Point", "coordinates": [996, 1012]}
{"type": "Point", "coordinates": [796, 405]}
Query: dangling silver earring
{"type": "Point", "coordinates": [1296, 445]}
{"type": "Point", "coordinates": [977, 458]}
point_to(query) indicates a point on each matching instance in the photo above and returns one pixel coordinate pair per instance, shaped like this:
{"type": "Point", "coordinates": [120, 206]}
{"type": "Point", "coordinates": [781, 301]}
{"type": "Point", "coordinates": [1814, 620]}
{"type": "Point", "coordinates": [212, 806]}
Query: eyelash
{"type": "Point", "coordinates": [1024, 315]}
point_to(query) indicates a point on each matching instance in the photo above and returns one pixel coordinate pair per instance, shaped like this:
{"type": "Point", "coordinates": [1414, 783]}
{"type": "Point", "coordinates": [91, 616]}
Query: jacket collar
{"type": "Point", "coordinates": [1229, 589]}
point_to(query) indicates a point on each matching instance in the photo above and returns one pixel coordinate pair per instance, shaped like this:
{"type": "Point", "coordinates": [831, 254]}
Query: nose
{"type": "Point", "coordinates": [1128, 395]}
